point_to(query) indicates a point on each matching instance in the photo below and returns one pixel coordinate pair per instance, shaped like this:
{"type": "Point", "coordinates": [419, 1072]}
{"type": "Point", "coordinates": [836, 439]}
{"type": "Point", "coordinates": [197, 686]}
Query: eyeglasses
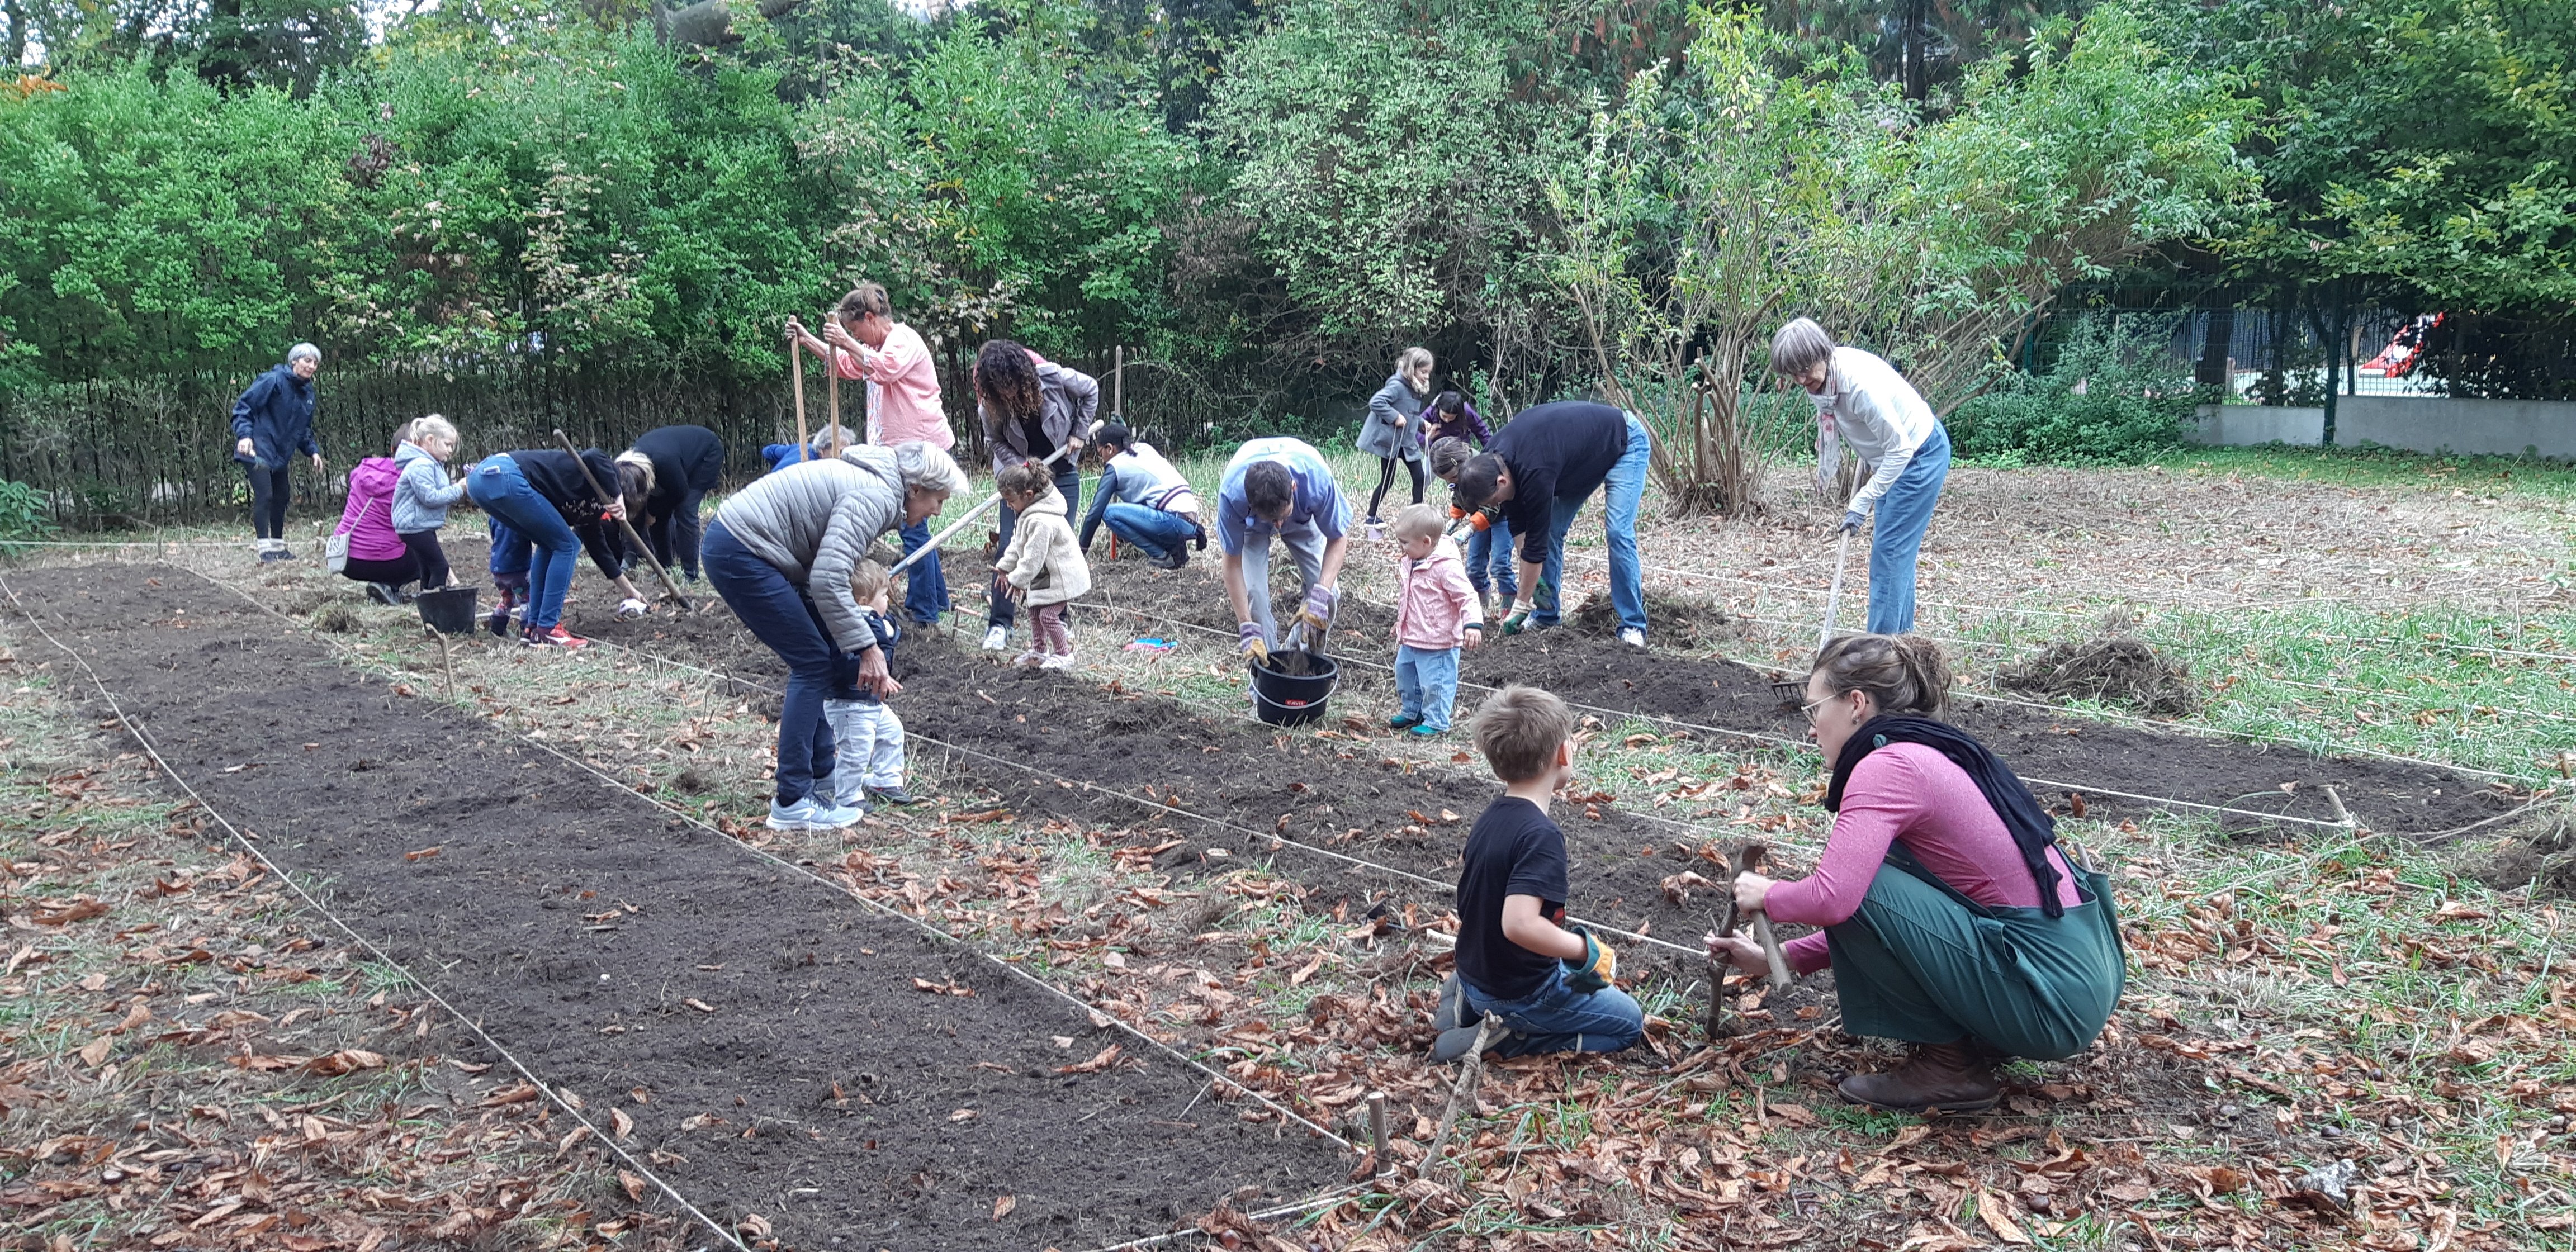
{"type": "Point", "coordinates": [1810, 708]}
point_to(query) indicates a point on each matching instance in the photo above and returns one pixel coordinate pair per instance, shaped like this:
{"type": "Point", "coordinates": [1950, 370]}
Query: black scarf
{"type": "Point", "coordinates": [2033, 830]}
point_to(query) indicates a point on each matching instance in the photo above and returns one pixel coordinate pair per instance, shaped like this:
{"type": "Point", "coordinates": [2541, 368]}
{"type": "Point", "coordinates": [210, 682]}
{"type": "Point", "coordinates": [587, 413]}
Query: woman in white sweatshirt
{"type": "Point", "coordinates": [1861, 400]}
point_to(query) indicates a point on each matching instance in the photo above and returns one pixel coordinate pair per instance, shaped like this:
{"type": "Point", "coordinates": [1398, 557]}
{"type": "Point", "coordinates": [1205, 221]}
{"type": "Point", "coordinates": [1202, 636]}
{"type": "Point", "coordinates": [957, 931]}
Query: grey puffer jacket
{"type": "Point", "coordinates": [1380, 435]}
{"type": "Point", "coordinates": [1067, 398]}
{"type": "Point", "coordinates": [815, 520]}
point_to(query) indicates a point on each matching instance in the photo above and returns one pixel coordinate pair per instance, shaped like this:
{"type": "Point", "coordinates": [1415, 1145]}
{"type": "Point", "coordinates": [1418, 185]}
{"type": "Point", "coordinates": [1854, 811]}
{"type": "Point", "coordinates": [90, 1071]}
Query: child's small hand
{"type": "Point", "coordinates": [1475, 635]}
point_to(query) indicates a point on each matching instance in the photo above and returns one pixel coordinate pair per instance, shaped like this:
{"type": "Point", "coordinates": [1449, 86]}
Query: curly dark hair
{"type": "Point", "coordinates": [1007, 379]}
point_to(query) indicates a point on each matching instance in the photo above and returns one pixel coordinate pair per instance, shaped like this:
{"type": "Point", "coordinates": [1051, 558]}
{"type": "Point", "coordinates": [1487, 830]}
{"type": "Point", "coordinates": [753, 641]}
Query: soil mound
{"type": "Point", "coordinates": [1671, 620]}
{"type": "Point", "coordinates": [2118, 669]}
{"type": "Point", "coordinates": [2540, 849]}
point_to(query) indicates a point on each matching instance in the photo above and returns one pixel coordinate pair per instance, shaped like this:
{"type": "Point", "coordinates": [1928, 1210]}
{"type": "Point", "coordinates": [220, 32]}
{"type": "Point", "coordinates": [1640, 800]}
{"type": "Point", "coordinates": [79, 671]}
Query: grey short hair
{"type": "Point", "coordinates": [826, 437]}
{"type": "Point", "coordinates": [1799, 347]}
{"type": "Point", "coordinates": [926, 467]}
{"type": "Point", "coordinates": [301, 351]}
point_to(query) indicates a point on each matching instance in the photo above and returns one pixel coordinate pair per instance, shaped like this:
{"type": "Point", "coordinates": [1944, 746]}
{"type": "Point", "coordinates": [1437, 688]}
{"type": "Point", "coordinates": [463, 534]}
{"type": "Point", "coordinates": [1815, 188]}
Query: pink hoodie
{"type": "Point", "coordinates": [368, 518]}
{"type": "Point", "coordinates": [1434, 605]}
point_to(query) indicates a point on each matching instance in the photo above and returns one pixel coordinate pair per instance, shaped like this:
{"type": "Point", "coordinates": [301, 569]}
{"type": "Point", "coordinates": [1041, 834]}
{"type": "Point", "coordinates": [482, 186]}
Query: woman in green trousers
{"type": "Point", "coordinates": [1951, 919]}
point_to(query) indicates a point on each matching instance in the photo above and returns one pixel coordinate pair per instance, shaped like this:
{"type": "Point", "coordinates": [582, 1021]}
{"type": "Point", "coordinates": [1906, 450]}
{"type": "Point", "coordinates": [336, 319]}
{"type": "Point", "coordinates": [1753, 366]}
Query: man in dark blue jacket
{"type": "Point", "coordinates": [271, 421]}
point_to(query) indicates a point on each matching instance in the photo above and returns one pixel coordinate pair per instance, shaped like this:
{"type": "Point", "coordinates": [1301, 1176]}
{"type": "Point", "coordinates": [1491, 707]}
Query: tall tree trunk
{"type": "Point", "coordinates": [17, 34]}
{"type": "Point", "coordinates": [2216, 365]}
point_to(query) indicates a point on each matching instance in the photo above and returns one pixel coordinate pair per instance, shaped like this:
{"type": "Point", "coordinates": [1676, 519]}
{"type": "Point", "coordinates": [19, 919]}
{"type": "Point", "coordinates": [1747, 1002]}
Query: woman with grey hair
{"type": "Point", "coordinates": [782, 552]}
{"type": "Point", "coordinates": [272, 420]}
{"type": "Point", "coordinates": [1862, 400]}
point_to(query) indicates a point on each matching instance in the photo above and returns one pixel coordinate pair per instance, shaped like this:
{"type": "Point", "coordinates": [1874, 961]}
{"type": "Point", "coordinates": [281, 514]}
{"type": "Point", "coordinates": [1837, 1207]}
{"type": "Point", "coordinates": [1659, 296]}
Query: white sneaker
{"type": "Point", "coordinates": [1029, 659]}
{"type": "Point", "coordinates": [1061, 660]}
{"type": "Point", "coordinates": [1632, 636]}
{"type": "Point", "coordinates": [996, 638]}
{"type": "Point", "coordinates": [807, 814]}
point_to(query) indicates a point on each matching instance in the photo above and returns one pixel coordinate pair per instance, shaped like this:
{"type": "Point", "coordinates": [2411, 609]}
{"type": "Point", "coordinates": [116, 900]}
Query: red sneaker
{"type": "Point", "coordinates": [556, 637]}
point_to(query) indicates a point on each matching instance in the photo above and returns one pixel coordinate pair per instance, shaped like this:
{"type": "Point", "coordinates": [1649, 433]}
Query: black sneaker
{"type": "Point", "coordinates": [499, 620]}
{"type": "Point", "coordinates": [1198, 536]}
{"type": "Point", "coordinates": [384, 594]}
{"type": "Point", "coordinates": [1175, 559]}
{"type": "Point", "coordinates": [894, 795]}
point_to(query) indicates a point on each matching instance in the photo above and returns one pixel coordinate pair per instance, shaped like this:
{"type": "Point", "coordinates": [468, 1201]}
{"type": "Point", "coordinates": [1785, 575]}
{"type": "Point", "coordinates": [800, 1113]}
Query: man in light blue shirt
{"type": "Point", "coordinates": [1280, 487]}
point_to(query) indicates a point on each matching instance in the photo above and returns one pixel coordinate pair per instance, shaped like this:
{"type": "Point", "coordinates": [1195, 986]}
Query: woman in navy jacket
{"type": "Point", "coordinates": [272, 420]}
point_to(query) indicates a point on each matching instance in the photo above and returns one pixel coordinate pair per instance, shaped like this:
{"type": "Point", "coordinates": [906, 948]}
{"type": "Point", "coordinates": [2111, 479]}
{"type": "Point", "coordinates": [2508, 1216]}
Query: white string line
{"type": "Point", "coordinates": [1276, 840]}
{"type": "Point", "coordinates": [2167, 607]}
{"type": "Point", "coordinates": [837, 888]}
{"type": "Point", "coordinates": [136, 729]}
{"type": "Point", "coordinates": [2086, 788]}
{"type": "Point", "coordinates": [2316, 747]}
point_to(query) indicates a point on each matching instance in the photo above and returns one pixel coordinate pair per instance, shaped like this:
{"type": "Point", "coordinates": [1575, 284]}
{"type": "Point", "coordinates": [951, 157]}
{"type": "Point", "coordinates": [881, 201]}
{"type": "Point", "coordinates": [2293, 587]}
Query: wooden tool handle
{"type": "Point", "coordinates": [1771, 950]}
{"type": "Point", "coordinates": [641, 548]}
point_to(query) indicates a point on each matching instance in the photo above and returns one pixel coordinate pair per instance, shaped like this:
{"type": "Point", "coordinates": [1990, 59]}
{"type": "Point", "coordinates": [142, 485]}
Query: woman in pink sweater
{"type": "Point", "coordinates": [1947, 912]}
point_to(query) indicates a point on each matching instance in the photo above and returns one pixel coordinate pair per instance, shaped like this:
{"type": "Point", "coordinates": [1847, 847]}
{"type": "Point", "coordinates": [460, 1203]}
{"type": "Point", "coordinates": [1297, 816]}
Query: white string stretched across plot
{"type": "Point", "coordinates": [144, 740]}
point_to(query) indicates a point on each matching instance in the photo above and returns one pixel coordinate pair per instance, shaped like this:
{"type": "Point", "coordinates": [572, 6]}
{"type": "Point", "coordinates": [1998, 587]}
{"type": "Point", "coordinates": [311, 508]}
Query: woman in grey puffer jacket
{"type": "Point", "coordinates": [1394, 422]}
{"type": "Point", "coordinates": [781, 552]}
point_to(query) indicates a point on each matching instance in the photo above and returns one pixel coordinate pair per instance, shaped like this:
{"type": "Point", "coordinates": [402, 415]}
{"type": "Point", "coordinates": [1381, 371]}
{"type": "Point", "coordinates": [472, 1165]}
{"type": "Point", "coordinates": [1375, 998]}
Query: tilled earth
{"type": "Point", "coordinates": [770, 1039]}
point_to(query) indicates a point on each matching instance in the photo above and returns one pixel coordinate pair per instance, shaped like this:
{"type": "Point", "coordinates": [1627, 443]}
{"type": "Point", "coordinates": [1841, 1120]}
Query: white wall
{"type": "Point", "coordinates": [2502, 427]}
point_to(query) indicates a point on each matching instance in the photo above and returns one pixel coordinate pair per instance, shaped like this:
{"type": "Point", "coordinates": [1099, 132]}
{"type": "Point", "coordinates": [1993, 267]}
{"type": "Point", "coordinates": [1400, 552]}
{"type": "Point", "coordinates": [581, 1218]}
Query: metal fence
{"type": "Point", "coordinates": [2276, 355]}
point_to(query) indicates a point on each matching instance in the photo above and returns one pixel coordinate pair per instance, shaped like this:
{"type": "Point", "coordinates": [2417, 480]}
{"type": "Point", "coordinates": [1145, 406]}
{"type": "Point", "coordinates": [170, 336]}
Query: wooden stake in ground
{"type": "Point", "coordinates": [668, 583]}
{"type": "Point", "coordinates": [443, 663]}
{"type": "Point", "coordinates": [1118, 383]}
{"type": "Point", "coordinates": [1377, 1132]}
{"type": "Point", "coordinates": [1468, 1075]}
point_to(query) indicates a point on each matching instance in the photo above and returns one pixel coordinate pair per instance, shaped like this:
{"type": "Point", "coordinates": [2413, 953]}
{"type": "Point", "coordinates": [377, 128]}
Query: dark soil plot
{"type": "Point", "coordinates": [795, 1066]}
{"type": "Point", "coordinates": [1335, 794]}
{"type": "Point", "coordinates": [1590, 670]}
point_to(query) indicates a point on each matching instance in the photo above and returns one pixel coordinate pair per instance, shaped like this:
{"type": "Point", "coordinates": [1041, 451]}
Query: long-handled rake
{"type": "Point", "coordinates": [1792, 692]}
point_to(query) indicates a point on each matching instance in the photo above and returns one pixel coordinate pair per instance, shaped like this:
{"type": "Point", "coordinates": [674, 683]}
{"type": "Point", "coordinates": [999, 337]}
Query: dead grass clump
{"type": "Point", "coordinates": [2114, 668]}
{"type": "Point", "coordinates": [338, 619]}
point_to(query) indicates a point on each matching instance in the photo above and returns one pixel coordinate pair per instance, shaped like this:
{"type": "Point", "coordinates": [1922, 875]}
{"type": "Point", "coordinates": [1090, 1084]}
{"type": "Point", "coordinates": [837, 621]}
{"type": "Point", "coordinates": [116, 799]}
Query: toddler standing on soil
{"type": "Point", "coordinates": [1044, 564]}
{"type": "Point", "coordinates": [423, 493]}
{"type": "Point", "coordinates": [1547, 984]}
{"type": "Point", "coordinates": [1436, 612]}
{"type": "Point", "coordinates": [867, 737]}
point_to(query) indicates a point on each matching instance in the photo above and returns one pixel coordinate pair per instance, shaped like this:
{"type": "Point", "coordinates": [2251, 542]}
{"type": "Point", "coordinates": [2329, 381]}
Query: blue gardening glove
{"type": "Point", "coordinates": [1852, 520]}
{"type": "Point", "coordinates": [1252, 645]}
{"type": "Point", "coordinates": [1599, 964]}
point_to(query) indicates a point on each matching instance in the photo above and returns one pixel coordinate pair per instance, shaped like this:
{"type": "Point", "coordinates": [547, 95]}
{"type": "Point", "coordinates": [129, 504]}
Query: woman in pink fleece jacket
{"type": "Point", "coordinates": [1435, 612]}
{"type": "Point", "coordinates": [1947, 912]}
{"type": "Point", "coordinates": [377, 556]}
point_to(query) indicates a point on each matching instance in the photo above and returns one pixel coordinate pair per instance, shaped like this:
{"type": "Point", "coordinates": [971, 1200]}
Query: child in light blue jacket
{"type": "Point", "coordinates": [422, 494]}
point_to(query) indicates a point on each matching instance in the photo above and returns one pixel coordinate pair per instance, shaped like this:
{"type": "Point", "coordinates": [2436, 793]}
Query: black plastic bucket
{"type": "Point", "coordinates": [448, 610]}
{"type": "Point", "coordinates": [1284, 699]}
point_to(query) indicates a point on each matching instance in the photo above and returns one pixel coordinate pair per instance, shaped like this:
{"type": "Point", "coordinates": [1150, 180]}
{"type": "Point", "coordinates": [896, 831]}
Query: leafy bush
{"type": "Point", "coordinates": [23, 512]}
{"type": "Point", "coordinates": [2114, 396]}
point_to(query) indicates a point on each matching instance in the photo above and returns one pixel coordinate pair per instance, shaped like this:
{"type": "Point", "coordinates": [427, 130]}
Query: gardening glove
{"type": "Point", "coordinates": [1253, 646]}
{"type": "Point", "coordinates": [1599, 964]}
{"type": "Point", "coordinates": [629, 609]}
{"type": "Point", "coordinates": [1318, 613]}
{"type": "Point", "coordinates": [1519, 619]}
{"type": "Point", "coordinates": [1852, 519]}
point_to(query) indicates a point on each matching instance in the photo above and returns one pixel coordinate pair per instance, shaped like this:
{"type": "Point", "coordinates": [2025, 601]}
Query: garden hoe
{"type": "Point", "coordinates": [669, 584]}
{"type": "Point", "coordinates": [1792, 692]}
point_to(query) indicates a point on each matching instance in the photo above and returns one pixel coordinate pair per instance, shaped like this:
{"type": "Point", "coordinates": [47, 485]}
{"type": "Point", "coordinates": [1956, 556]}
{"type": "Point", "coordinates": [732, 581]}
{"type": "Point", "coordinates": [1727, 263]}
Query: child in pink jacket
{"type": "Point", "coordinates": [1436, 612]}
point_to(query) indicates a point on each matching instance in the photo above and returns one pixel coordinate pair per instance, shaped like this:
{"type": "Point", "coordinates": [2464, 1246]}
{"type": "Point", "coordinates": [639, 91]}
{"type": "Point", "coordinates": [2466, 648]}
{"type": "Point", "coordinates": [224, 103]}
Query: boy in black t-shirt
{"type": "Point", "coordinates": [1547, 982]}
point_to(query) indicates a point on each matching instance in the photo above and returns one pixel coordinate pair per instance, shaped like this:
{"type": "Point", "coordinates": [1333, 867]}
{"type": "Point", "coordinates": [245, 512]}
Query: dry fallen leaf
{"type": "Point", "coordinates": [1307, 970]}
{"type": "Point", "coordinates": [700, 1005]}
{"type": "Point", "coordinates": [1996, 1213]}
{"type": "Point", "coordinates": [1105, 1058]}
{"type": "Point", "coordinates": [633, 1185]}
{"type": "Point", "coordinates": [79, 910]}
{"type": "Point", "coordinates": [963, 1115]}
{"type": "Point", "coordinates": [94, 1053]}
{"type": "Point", "coordinates": [621, 1123]}
{"type": "Point", "coordinates": [347, 1060]}
{"type": "Point", "coordinates": [425, 853]}
{"type": "Point", "coordinates": [1002, 1207]}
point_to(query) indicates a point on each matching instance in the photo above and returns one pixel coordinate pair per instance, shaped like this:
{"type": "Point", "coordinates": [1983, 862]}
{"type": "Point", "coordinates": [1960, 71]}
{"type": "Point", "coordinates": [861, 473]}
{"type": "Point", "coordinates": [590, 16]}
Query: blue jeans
{"type": "Point", "coordinates": [1896, 538]}
{"type": "Point", "coordinates": [1492, 548]}
{"type": "Point", "coordinates": [780, 614]}
{"type": "Point", "coordinates": [1154, 532]}
{"type": "Point", "coordinates": [1427, 678]}
{"type": "Point", "coordinates": [1068, 483]}
{"type": "Point", "coordinates": [1620, 495]}
{"type": "Point", "coordinates": [925, 589]}
{"type": "Point", "coordinates": [528, 538]}
{"type": "Point", "coordinates": [1558, 1018]}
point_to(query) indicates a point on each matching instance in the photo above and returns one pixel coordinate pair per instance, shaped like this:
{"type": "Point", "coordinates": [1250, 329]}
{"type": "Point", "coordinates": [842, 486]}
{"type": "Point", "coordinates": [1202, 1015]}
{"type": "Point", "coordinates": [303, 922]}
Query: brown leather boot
{"type": "Point", "coordinates": [1951, 1077]}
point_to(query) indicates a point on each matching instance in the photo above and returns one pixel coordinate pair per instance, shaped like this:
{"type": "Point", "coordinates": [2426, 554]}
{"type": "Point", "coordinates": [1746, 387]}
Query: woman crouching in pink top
{"type": "Point", "coordinates": [1950, 917]}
